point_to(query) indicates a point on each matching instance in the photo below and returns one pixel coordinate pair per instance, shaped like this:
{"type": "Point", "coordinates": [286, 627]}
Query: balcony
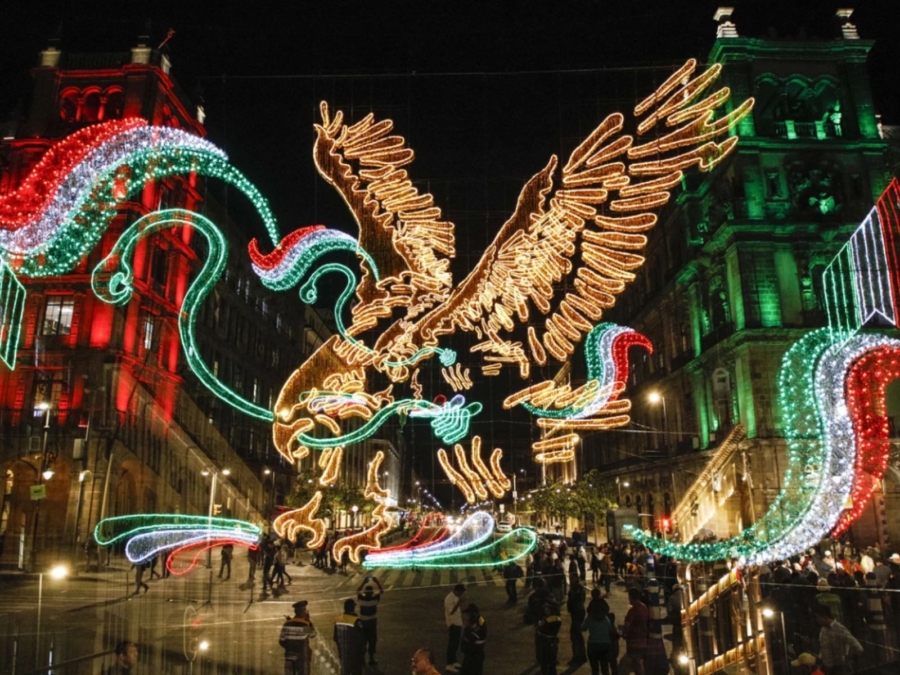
{"type": "Point", "coordinates": [718, 334]}
{"type": "Point", "coordinates": [791, 130]}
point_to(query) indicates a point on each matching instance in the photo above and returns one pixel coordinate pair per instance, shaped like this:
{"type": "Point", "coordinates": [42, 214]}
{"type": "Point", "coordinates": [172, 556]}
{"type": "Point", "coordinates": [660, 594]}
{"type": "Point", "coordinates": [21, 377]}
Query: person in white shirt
{"type": "Point", "coordinates": [866, 562]}
{"type": "Point", "coordinates": [453, 616]}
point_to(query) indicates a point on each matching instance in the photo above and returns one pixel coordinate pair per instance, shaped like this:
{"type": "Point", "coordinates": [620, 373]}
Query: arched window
{"type": "Point", "coordinates": [92, 107]}
{"type": "Point", "coordinates": [68, 105]}
{"type": "Point", "coordinates": [115, 104]}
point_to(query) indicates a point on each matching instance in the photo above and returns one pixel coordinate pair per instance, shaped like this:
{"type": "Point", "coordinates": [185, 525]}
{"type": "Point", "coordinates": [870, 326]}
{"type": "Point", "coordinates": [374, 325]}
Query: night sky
{"type": "Point", "coordinates": [483, 91]}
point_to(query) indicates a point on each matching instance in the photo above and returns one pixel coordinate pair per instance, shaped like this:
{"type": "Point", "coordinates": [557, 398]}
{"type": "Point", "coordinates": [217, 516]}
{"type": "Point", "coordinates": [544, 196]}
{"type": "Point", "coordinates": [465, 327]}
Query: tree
{"type": "Point", "coordinates": [335, 498]}
{"type": "Point", "coordinates": [587, 499]}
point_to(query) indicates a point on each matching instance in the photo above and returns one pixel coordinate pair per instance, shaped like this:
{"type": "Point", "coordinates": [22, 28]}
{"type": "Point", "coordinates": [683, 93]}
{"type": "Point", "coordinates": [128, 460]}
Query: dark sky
{"type": "Point", "coordinates": [484, 91]}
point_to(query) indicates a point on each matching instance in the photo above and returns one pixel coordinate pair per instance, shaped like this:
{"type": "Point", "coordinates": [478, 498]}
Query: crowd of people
{"type": "Point", "coordinates": [824, 596]}
{"type": "Point", "coordinates": [838, 602]}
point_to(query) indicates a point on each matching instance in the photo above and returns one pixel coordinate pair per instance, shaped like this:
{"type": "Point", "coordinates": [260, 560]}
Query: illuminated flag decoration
{"type": "Point", "coordinates": [863, 280]}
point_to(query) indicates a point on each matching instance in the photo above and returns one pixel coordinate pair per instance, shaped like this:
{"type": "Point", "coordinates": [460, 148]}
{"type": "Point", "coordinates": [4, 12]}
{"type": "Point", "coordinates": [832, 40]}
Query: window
{"type": "Point", "coordinates": [58, 315]}
{"type": "Point", "coordinates": [159, 264]}
{"type": "Point", "coordinates": [147, 340]}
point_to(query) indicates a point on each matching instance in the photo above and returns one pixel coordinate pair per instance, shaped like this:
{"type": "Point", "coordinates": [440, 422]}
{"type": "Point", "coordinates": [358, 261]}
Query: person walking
{"type": "Point", "coordinates": [453, 604]}
{"type": "Point", "coordinates": [575, 607]}
{"type": "Point", "coordinates": [294, 639]}
{"type": "Point", "coordinates": [512, 573]}
{"type": "Point", "coordinates": [599, 644]}
{"type": "Point", "coordinates": [547, 638]}
{"type": "Point", "coordinates": [139, 578]}
{"type": "Point", "coordinates": [474, 636]}
{"type": "Point", "coordinates": [636, 633]}
{"type": "Point", "coordinates": [350, 637]}
{"type": "Point", "coordinates": [227, 554]}
{"type": "Point", "coordinates": [154, 561]}
{"type": "Point", "coordinates": [368, 601]}
{"type": "Point", "coordinates": [281, 558]}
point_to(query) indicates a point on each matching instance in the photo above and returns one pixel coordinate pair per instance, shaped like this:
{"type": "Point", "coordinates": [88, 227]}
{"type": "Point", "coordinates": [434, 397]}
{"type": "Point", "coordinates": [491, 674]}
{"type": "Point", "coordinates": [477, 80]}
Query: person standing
{"type": "Point", "coordinates": [227, 554]}
{"type": "Point", "coordinates": [512, 573]}
{"type": "Point", "coordinates": [474, 636]}
{"type": "Point", "coordinates": [636, 633]}
{"type": "Point", "coordinates": [368, 601]}
{"type": "Point", "coordinates": [350, 638]}
{"type": "Point", "coordinates": [294, 639]}
{"type": "Point", "coordinates": [599, 646]}
{"type": "Point", "coordinates": [268, 553]}
{"type": "Point", "coordinates": [547, 634]}
{"type": "Point", "coordinates": [253, 559]}
{"type": "Point", "coordinates": [453, 605]}
{"type": "Point", "coordinates": [835, 642]}
{"type": "Point", "coordinates": [575, 607]}
{"type": "Point", "coordinates": [423, 662]}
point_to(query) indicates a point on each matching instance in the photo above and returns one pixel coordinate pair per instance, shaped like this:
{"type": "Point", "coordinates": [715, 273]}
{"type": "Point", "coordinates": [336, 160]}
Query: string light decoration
{"type": "Point", "coordinates": [113, 278]}
{"type": "Point", "coordinates": [144, 547]}
{"type": "Point", "coordinates": [12, 309]}
{"type": "Point", "coordinates": [149, 535]}
{"type": "Point", "coordinates": [198, 549]}
{"type": "Point", "coordinates": [606, 353]}
{"type": "Point", "coordinates": [88, 176]}
{"type": "Point", "coordinates": [571, 246]}
{"type": "Point", "coordinates": [431, 531]}
{"type": "Point", "coordinates": [867, 384]}
{"type": "Point", "coordinates": [862, 281]}
{"type": "Point", "coordinates": [816, 390]}
{"type": "Point", "coordinates": [468, 550]}
{"type": "Point", "coordinates": [477, 481]}
{"type": "Point", "coordinates": [474, 531]}
{"type": "Point", "coordinates": [369, 538]}
{"type": "Point", "coordinates": [290, 524]}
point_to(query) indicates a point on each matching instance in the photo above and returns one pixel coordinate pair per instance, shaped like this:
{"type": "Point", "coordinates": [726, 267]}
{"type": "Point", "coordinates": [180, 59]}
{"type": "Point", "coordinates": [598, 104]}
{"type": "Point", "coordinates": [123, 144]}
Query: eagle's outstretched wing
{"type": "Point", "coordinates": [400, 228]}
{"type": "Point", "coordinates": [576, 236]}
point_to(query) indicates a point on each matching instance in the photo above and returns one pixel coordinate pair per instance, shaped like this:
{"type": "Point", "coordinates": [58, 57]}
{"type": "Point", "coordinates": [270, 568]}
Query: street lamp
{"type": "Point", "coordinates": [655, 398]}
{"type": "Point", "coordinates": [354, 509]}
{"type": "Point", "coordinates": [44, 474]}
{"type": "Point", "coordinates": [212, 504]}
{"type": "Point", "coordinates": [57, 572]}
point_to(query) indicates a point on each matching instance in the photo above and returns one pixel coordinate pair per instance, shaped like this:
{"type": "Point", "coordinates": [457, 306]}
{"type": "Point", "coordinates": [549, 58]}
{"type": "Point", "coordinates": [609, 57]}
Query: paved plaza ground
{"type": "Point", "coordinates": [87, 614]}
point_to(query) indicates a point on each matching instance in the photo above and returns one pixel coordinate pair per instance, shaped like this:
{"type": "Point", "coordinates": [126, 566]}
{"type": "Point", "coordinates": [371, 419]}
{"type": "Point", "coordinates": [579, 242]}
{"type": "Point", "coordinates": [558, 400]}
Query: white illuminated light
{"type": "Point", "coordinates": [48, 474]}
{"type": "Point", "coordinates": [59, 572]}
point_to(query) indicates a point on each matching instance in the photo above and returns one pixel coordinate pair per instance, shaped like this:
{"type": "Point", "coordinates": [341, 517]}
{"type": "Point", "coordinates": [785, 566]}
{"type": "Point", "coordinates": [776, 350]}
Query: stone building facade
{"type": "Point", "coordinates": [101, 395]}
{"type": "Point", "coordinates": [733, 278]}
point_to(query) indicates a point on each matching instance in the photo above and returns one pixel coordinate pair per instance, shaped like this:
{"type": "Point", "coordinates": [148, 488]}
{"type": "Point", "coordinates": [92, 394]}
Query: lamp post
{"type": "Point", "coordinates": [354, 509]}
{"type": "Point", "coordinates": [656, 398]}
{"type": "Point", "coordinates": [44, 473]}
{"type": "Point", "coordinates": [212, 503]}
{"type": "Point", "coordinates": [56, 572]}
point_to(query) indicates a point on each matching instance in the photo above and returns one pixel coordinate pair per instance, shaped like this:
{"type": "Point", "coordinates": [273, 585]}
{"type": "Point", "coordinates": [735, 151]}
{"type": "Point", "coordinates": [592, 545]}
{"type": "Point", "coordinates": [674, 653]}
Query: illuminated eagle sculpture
{"type": "Point", "coordinates": [536, 297]}
{"type": "Point", "coordinates": [542, 287]}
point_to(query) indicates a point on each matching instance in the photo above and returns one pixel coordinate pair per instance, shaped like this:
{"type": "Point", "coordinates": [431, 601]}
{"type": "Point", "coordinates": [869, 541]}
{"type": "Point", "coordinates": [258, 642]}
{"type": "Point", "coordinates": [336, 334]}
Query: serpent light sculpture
{"type": "Point", "coordinates": [147, 536]}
